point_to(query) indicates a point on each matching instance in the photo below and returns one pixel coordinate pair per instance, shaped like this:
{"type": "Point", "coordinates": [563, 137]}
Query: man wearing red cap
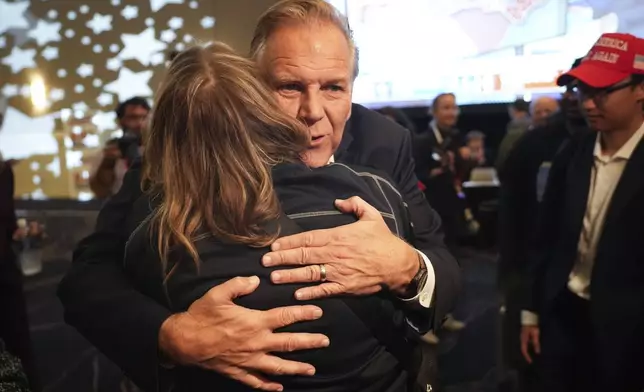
{"type": "Point", "coordinates": [587, 276]}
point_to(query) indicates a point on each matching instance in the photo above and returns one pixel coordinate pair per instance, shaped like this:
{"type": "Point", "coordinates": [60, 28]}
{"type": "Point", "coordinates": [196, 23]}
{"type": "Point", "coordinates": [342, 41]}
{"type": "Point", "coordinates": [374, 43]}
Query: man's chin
{"type": "Point", "coordinates": [315, 158]}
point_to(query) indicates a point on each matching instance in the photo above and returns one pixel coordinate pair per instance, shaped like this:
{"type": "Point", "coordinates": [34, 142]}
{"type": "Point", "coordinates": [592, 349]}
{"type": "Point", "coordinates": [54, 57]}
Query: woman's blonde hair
{"type": "Point", "coordinates": [216, 131]}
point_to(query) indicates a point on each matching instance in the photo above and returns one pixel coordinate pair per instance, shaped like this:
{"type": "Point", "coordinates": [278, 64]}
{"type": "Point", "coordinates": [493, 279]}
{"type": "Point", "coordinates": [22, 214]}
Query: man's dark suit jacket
{"type": "Point", "coordinates": [617, 281]}
{"type": "Point", "coordinates": [101, 303]}
{"type": "Point", "coordinates": [518, 198]}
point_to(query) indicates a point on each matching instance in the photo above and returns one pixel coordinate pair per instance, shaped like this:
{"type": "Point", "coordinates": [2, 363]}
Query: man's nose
{"type": "Point", "coordinates": [311, 109]}
{"type": "Point", "coordinates": [587, 103]}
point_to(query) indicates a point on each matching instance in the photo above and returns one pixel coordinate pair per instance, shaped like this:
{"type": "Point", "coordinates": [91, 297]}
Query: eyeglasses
{"type": "Point", "coordinates": [597, 95]}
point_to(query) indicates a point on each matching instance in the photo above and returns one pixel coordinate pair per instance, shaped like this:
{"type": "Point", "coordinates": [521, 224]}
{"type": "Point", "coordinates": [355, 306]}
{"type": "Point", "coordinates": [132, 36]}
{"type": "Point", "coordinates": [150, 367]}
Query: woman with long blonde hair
{"type": "Point", "coordinates": [225, 175]}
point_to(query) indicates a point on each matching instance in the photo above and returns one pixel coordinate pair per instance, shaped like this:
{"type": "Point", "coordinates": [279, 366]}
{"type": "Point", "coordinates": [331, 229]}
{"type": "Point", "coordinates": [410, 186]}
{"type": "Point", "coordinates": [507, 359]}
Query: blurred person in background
{"type": "Point", "coordinates": [14, 325]}
{"type": "Point", "coordinates": [519, 112]}
{"type": "Point", "coordinates": [583, 320]}
{"type": "Point", "coordinates": [476, 154]}
{"type": "Point", "coordinates": [439, 153]}
{"type": "Point", "coordinates": [522, 184]}
{"type": "Point", "coordinates": [398, 116]}
{"type": "Point", "coordinates": [540, 110]}
{"type": "Point", "coordinates": [109, 166]}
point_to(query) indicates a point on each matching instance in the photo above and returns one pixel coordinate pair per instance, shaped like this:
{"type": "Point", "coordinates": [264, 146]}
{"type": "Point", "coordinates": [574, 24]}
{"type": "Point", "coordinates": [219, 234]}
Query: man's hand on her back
{"type": "Point", "coordinates": [218, 335]}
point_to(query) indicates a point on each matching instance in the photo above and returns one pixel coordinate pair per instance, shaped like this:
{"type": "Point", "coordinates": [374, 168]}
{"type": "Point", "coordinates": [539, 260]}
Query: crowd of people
{"type": "Point", "coordinates": [261, 231]}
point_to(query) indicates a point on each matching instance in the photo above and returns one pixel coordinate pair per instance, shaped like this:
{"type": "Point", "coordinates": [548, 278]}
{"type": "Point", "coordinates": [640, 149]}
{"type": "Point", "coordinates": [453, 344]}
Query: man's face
{"type": "Point", "coordinates": [446, 111]}
{"type": "Point", "coordinates": [570, 105]}
{"type": "Point", "coordinates": [611, 108]}
{"type": "Point", "coordinates": [310, 71]}
{"type": "Point", "coordinates": [542, 109]}
{"type": "Point", "coordinates": [476, 144]}
{"type": "Point", "coordinates": [134, 118]}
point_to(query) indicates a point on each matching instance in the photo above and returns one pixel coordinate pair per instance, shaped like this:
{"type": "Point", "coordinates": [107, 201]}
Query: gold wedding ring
{"type": "Point", "coordinates": [322, 273]}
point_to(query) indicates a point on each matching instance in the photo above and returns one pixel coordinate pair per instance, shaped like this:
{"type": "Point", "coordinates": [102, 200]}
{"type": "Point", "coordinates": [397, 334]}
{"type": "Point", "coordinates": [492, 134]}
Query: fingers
{"type": "Point", "coordinates": [323, 290]}
{"type": "Point", "coordinates": [330, 289]}
{"type": "Point", "coordinates": [536, 341]}
{"type": "Point", "coordinates": [270, 364]}
{"type": "Point", "coordinates": [256, 382]}
{"type": "Point", "coordinates": [288, 342]}
{"type": "Point", "coordinates": [297, 256]}
{"type": "Point", "coordinates": [281, 317]}
{"type": "Point", "coordinates": [360, 208]}
{"type": "Point", "coordinates": [233, 288]}
{"type": "Point", "coordinates": [314, 238]}
{"type": "Point", "coordinates": [311, 273]}
{"type": "Point", "coordinates": [524, 349]}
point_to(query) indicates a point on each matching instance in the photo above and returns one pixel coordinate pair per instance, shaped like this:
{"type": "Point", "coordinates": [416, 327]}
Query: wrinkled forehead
{"type": "Point", "coordinates": [317, 45]}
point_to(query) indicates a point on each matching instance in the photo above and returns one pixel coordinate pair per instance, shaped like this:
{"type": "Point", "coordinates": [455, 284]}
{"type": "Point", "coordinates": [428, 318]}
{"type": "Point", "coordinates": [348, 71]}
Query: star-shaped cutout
{"type": "Point", "coordinates": [168, 36]}
{"type": "Point", "coordinates": [105, 99]}
{"type": "Point", "coordinates": [92, 141]}
{"type": "Point", "coordinates": [157, 58]}
{"type": "Point", "coordinates": [12, 15]}
{"type": "Point", "coordinates": [140, 46]}
{"type": "Point", "coordinates": [207, 22]}
{"type": "Point", "coordinates": [104, 121]}
{"type": "Point", "coordinates": [100, 23]}
{"type": "Point", "coordinates": [85, 70]}
{"type": "Point", "coordinates": [130, 12]}
{"type": "Point", "coordinates": [50, 53]}
{"type": "Point", "coordinates": [175, 23]}
{"type": "Point", "coordinates": [45, 32]}
{"type": "Point", "coordinates": [20, 59]}
{"type": "Point", "coordinates": [20, 131]}
{"type": "Point", "coordinates": [82, 106]}
{"type": "Point", "coordinates": [156, 5]}
{"type": "Point", "coordinates": [130, 84]}
{"type": "Point", "coordinates": [56, 94]}
{"type": "Point", "coordinates": [9, 90]}
{"type": "Point", "coordinates": [54, 167]}
{"type": "Point", "coordinates": [114, 64]}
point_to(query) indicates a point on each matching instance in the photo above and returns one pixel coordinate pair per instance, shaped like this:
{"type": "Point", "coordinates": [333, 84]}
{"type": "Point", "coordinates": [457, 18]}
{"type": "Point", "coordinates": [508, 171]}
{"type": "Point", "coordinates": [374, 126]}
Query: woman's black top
{"type": "Point", "coordinates": [367, 334]}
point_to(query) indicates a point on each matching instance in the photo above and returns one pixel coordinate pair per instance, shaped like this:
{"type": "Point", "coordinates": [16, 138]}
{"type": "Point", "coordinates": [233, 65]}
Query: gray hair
{"type": "Point", "coordinates": [474, 135]}
{"type": "Point", "coordinates": [300, 12]}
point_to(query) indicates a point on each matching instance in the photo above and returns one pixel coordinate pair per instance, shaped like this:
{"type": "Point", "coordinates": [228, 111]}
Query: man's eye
{"type": "Point", "coordinates": [291, 87]}
{"type": "Point", "coordinates": [334, 87]}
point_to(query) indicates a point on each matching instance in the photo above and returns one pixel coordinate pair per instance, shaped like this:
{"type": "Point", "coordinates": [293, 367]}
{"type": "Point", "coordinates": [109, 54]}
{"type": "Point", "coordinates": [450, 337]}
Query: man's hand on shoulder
{"type": "Point", "coordinates": [218, 335]}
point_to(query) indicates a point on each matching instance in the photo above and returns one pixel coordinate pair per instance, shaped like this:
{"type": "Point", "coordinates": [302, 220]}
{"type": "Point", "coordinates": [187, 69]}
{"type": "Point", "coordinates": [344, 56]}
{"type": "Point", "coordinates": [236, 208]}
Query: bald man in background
{"type": "Point", "coordinates": [540, 110]}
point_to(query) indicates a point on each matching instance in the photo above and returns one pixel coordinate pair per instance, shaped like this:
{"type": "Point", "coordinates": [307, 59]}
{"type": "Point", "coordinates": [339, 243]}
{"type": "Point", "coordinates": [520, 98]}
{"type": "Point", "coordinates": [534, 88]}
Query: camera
{"type": "Point", "coordinates": [129, 146]}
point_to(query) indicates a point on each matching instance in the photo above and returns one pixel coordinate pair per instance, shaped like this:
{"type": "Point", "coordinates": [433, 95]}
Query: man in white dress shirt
{"type": "Point", "coordinates": [585, 324]}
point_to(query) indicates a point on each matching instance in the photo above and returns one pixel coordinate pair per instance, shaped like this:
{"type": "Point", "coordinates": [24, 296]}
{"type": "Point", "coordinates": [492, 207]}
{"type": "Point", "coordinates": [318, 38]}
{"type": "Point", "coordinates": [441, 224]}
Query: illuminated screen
{"type": "Point", "coordinates": [482, 50]}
